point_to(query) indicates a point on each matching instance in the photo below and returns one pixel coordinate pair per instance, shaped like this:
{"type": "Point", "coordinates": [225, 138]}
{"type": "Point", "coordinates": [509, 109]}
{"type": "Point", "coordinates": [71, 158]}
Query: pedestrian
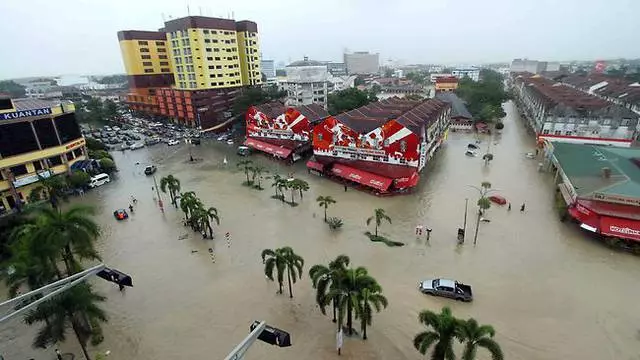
{"type": "Point", "coordinates": [522, 208]}
{"type": "Point", "coordinates": [131, 208]}
{"type": "Point", "coordinates": [345, 188]}
{"type": "Point", "coordinates": [509, 208]}
{"type": "Point", "coordinates": [121, 287]}
{"type": "Point", "coordinates": [537, 151]}
{"type": "Point", "coordinates": [58, 355]}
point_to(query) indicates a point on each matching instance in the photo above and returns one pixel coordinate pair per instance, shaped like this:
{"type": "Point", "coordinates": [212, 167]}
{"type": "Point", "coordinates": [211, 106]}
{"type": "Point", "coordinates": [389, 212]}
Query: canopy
{"type": "Point", "coordinates": [315, 165]}
{"type": "Point", "coordinates": [268, 148]}
{"type": "Point", "coordinates": [407, 182]}
{"type": "Point", "coordinates": [362, 177]}
{"type": "Point", "coordinates": [620, 228]}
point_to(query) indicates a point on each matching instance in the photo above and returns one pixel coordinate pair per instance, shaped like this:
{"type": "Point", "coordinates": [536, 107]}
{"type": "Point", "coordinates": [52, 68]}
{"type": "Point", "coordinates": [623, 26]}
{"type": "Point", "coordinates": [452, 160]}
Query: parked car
{"type": "Point", "coordinates": [230, 142]}
{"type": "Point", "coordinates": [136, 146]}
{"type": "Point", "coordinates": [194, 141]}
{"type": "Point", "coordinates": [120, 214]}
{"type": "Point", "coordinates": [446, 288]}
{"type": "Point", "coordinates": [173, 142]}
{"type": "Point", "coordinates": [498, 199]}
{"type": "Point", "coordinates": [150, 170]}
{"type": "Point", "coordinates": [151, 141]}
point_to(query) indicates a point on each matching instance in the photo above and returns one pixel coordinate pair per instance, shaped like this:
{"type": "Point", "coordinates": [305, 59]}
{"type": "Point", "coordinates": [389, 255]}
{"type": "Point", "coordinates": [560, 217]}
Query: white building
{"type": "Point", "coordinates": [472, 73]}
{"type": "Point", "coordinates": [533, 66]}
{"type": "Point", "coordinates": [362, 63]}
{"type": "Point", "coordinates": [307, 83]}
{"type": "Point", "coordinates": [268, 68]}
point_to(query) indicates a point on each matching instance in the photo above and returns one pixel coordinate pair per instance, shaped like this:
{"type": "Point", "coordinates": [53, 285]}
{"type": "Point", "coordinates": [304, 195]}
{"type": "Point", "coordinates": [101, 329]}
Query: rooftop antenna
{"type": "Point", "coordinates": [188, 11]}
{"type": "Point", "coordinates": [200, 8]}
{"type": "Point", "coordinates": [233, 15]}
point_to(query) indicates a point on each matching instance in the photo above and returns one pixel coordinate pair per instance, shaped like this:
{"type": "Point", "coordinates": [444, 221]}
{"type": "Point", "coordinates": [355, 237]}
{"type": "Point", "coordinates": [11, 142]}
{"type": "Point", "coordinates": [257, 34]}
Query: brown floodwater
{"type": "Point", "coordinates": [550, 291]}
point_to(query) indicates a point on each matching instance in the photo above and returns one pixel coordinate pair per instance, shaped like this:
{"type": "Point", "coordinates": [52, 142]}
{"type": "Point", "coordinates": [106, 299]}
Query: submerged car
{"type": "Point", "coordinates": [149, 170]}
{"type": "Point", "coordinates": [120, 214]}
{"type": "Point", "coordinates": [446, 288]}
{"type": "Point", "coordinates": [173, 142]}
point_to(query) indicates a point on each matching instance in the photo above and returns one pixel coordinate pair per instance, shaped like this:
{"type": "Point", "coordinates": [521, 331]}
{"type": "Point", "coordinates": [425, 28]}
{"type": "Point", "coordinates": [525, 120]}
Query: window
{"type": "Point", "coordinates": [68, 128]}
{"type": "Point", "coordinates": [176, 52]}
{"type": "Point", "coordinates": [46, 133]}
{"type": "Point", "coordinates": [37, 165]}
{"type": "Point", "coordinates": [189, 68]}
{"type": "Point", "coordinates": [218, 66]}
{"type": "Point", "coordinates": [145, 57]}
{"type": "Point", "coordinates": [568, 133]}
{"type": "Point", "coordinates": [208, 49]}
{"type": "Point", "coordinates": [178, 60]}
{"type": "Point", "coordinates": [162, 56]}
{"type": "Point", "coordinates": [214, 32]}
{"type": "Point", "coordinates": [211, 67]}
{"type": "Point", "coordinates": [147, 71]}
{"type": "Point", "coordinates": [145, 50]}
{"type": "Point", "coordinates": [188, 60]}
{"type": "Point", "coordinates": [183, 84]}
{"type": "Point", "coordinates": [213, 84]}
{"type": "Point", "coordinates": [227, 41]}
{"type": "Point", "coordinates": [192, 76]}
{"type": "Point", "coordinates": [216, 50]}
{"type": "Point", "coordinates": [557, 132]}
{"type": "Point", "coordinates": [165, 70]}
{"type": "Point", "coordinates": [220, 83]}
{"type": "Point", "coordinates": [175, 43]}
{"type": "Point", "coordinates": [233, 41]}
{"type": "Point", "coordinates": [219, 75]}
{"type": "Point", "coordinates": [193, 85]}
{"type": "Point", "coordinates": [162, 50]}
{"type": "Point", "coordinates": [164, 63]}
{"type": "Point", "coordinates": [179, 68]}
{"type": "Point", "coordinates": [180, 76]}
{"type": "Point", "coordinates": [205, 31]}
{"type": "Point", "coordinates": [215, 41]}
{"type": "Point", "coordinates": [545, 132]}
{"type": "Point", "coordinates": [143, 43]}
{"type": "Point", "coordinates": [147, 63]}
{"type": "Point", "coordinates": [209, 59]}
{"type": "Point", "coordinates": [207, 40]}
{"type": "Point", "coordinates": [185, 42]}
{"type": "Point", "coordinates": [160, 43]}
{"type": "Point", "coordinates": [607, 122]}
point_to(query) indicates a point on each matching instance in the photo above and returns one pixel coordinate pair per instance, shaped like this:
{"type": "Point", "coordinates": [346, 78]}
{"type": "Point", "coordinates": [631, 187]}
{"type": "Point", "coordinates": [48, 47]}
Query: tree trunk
{"type": "Point", "coordinates": [334, 311]}
{"type": "Point", "coordinates": [325, 220]}
{"type": "Point", "coordinates": [300, 193]}
{"type": "Point", "coordinates": [364, 330]}
{"type": "Point", "coordinates": [475, 237]}
{"type": "Point", "coordinates": [280, 284]}
{"type": "Point", "coordinates": [83, 344]}
{"type": "Point", "coordinates": [289, 278]}
{"type": "Point", "coordinates": [376, 229]}
{"type": "Point", "coordinates": [349, 316]}
{"type": "Point", "coordinates": [246, 172]}
{"type": "Point", "coordinates": [292, 192]}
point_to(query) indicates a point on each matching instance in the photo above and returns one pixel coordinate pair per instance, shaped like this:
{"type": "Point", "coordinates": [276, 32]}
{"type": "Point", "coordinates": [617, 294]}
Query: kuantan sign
{"type": "Point", "coordinates": [25, 113]}
{"type": "Point", "coordinates": [74, 144]}
{"type": "Point", "coordinates": [31, 178]}
{"type": "Point", "coordinates": [360, 151]}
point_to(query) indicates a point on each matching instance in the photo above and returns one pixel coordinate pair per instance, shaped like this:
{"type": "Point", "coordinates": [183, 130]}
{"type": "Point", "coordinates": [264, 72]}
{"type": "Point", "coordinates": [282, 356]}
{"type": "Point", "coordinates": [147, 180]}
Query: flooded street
{"type": "Point", "coordinates": [550, 292]}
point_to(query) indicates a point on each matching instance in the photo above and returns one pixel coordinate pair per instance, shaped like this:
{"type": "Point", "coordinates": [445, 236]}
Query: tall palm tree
{"type": "Point", "coordinates": [283, 259]}
{"type": "Point", "coordinates": [172, 184]}
{"type": "Point", "coordinates": [77, 307]}
{"type": "Point", "coordinates": [483, 204]}
{"type": "Point", "coordinates": [324, 278]}
{"type": "Point", "coordinates": [325, 201]}
{"type": "Point", "coordinates": [277, 180]}
{"type": "Point", "coordinates": [257, 172]}
{"type": "Point", "coordinates": [474, 336]}
{"type": "Point", "coordinates": [73, 230]}
{"type": "Point", "coordinates": [347, 294]}
{"type": "Point", "coordinates": [441, 335]}
{"type": "Point", "coordinates": [189, 202]}
{"type": "Point", "coordinates": [205, 216]}
{"type": "Point", "coordinates": [246, 165]}
{"type": "Point", "coordinates": [378, 215]}
{"type": "Point", "coordinates": [301, 186]}
{"type": "Point", "coordinates": [369, 298]}
{"type": "Point", "coordinates": [53, 188]}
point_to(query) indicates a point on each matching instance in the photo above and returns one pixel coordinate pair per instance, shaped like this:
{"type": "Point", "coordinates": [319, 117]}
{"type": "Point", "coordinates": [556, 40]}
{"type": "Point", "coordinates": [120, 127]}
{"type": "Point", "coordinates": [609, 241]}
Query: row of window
{"type": "Point", "coordinates": [164, 70]}
{"type": "Point", "coordinates": [160, 50]}
{"type": "Point", "coordinates": [180, 68]}
{"type": "Point", "coordinates": [149, 63]}
{"type": "Point", "coordinates": [194, 85]}
{"type": "Point", "coordinates": [224, 58]}
{"type": "Point", "coordinates": [148, 57]}
{"type": "Point", "coordinates": [146, 43]}
{"type": "Point", "coordinates": [184, 33]}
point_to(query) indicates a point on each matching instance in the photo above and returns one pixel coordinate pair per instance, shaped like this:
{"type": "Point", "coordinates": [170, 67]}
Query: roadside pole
{"type": "Point", "coordinates": [158, 193]}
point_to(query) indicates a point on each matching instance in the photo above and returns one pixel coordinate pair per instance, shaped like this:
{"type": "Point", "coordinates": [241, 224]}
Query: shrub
{"type": "Point", "coordinates": [93, 144]}
{"type": "Point", "coordinates": [499, 126]}
{"type": "Point", "coordinates": [335, 223]}
{"type": "Point", "coordinates": [78, 179]}
{"type": "Point", "coordinates": [107, 165]}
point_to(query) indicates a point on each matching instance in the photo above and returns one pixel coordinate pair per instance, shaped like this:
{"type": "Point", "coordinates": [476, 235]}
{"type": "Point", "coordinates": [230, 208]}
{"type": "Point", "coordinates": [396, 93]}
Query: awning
{"type": "Point", "coordinates": [362, 177]}
{"type": "Point", "coordinates": [620, 228]}
{"type": "Point", "coordinates": [315, 165]}
{"type": "Point", "coordinates": [586, 217]}
{"type": "Point", "coordinates": [268, 148]}
{"type": "Point", "coordinates": [407, 182]}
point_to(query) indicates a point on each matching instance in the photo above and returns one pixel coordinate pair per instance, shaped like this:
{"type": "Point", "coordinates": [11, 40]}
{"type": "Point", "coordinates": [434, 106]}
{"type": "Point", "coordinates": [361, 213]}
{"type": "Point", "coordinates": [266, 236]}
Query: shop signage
{"type": "Point", "coordinates": [74, 144]}
{"type": "Point", "coordinates": [31, 178]}
{"type": "Point", "coordinates": [25, 113]}
{"type": "Point", "coordinates": [583, 209]}
{"type": "Point", "coordinates": [617, 199]}
{"type": "Point", "coordinates": [360, 151]}
{"type": "Point", "coordinates": [624, 230]}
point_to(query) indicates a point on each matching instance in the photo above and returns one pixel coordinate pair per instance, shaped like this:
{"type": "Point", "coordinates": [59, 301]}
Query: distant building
{"type": "Point", "coordinates": [268, 68]}
{"type": "Point", "coordinates": [461, 119]}
{"type": "Point", "coordinates": [472, 73]}
{"type": "Point", "coordinates": [446, 83]}
{"type": "Point", "coordinates": [337, 69]}
{"type": "Point", "coordinates": [433, 77]}
{"type": "Point", "coordinates": [362, 63]}
{"type": "Point", "coordinates": [399, 73]}
{"type": "Point", "coordinates": [307, 83]}
{"type": "Point", "coordinates": [533, 66]}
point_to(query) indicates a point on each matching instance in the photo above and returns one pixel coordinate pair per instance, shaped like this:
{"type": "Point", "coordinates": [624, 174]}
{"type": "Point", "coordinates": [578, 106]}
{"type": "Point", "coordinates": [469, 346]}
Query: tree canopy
{"type": "Point", "coordinates": [256, 96]}
{"type": "Point", "coordinates": [484, 98]}
{"type": "Point", "coordinates": [12, 88]}
{"type": "Point", "coordinates": [349, 99]}
{"type": "Point", "coordinates": [112, 79]}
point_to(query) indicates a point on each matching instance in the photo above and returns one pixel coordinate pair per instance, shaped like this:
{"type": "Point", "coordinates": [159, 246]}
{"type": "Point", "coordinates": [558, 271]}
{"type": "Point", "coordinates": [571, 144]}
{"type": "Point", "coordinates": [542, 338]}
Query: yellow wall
{"type": "Point", "coordinates": [249, 51]}
{"type": "Point", "coordinates": [134, 63]}
{"type": "Point", "coordinates": [40, 154]}
{"type": "Point", "coordinates": [446, 86]}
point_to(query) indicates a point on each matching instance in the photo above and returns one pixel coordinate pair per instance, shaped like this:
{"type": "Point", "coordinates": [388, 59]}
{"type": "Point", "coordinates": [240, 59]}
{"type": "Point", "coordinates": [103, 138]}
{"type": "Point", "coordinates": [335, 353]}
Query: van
{"type": "Point", "coordinates": [99, 179]}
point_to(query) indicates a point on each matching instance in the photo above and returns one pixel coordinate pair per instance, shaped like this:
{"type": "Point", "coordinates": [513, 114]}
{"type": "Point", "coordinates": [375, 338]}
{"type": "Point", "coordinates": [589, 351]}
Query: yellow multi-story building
{"type": "Point", "coordinates": [209, 60]}
{"type": "Point", "coordinates": [37, 139]}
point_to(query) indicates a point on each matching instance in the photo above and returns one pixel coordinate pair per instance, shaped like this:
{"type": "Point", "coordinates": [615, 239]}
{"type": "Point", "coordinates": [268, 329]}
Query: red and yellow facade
{"type": "Point", "coordinates": [446, 83]}
{"type": "Point", "coordinates": [382, 146]}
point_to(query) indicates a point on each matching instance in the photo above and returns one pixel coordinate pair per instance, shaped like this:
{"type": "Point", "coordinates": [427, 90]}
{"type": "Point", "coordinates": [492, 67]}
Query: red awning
{"type": "Point", "coordinates": [268, 148]}
{"type": "Point", "coordinates": [407, 182]}
{"type": "Point", "coordinates": [585, 216]}
{"type": "Point", "coordinates": [362, 177]}
{"type": "Point", "coordinates": [315, 165]}
{"type": "Point", "coordinates": [620, 228]}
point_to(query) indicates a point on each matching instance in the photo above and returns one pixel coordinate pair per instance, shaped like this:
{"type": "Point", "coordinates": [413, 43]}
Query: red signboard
{"type": "Point", "coordinates": [74, 144]}
{"type": "Point", "coordinates": [362, 177]}
{"type": "Point", "coordinates": [407, 182]}
{"type": "Point", "coordinates": [268, 148]}
{"type": "Point", "coordinates": [620, 228]}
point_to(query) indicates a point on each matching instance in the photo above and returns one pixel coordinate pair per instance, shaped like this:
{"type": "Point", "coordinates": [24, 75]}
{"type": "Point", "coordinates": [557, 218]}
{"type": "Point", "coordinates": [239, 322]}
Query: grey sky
{"type": "Point", "coordinates": [44, 37]}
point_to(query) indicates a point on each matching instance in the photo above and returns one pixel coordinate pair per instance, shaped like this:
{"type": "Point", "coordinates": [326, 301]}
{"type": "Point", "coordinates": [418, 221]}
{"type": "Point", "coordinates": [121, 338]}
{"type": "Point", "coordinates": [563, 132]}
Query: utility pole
{"type": "Point", "coordinates": [158, 193]}
{"type": "Point", "coordinates": [464, 225]}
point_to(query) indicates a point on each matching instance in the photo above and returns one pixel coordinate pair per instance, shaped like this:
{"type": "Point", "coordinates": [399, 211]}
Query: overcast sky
{"type": "Point", "coordinates": [44, 37]}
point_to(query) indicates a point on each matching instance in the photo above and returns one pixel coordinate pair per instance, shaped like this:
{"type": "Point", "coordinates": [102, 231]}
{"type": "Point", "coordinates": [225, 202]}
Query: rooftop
{"type": "Point", "coordinates": [458, 107]}
{"type": "Point", "coordinates": [306, 62]}
{"type": "Point", "coordinates": [313, 112]}
{"type": "Point", "coordinates": [31, 104]}
{"type": "Point", "coordinates": [584, 166]}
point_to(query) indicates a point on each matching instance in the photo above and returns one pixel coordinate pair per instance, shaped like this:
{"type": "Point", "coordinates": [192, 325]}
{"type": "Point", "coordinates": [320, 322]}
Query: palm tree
{"type": "Point", "coordinates": [325, 278]}
{"type": "Point", "coordinates": [443, 331]}
{"type": "Point", "coordinates": [257, 172]}
{"type": "Point", "coordinates": [347, 294]}
{"type": "Point", "coordinates": [483, 204]}
{"type": "Point", "coordinates": [325, 201]}
{"type": "Point", "coordinates": [368, 297]}
{"type": "Point", "coordinates": [74, 231]}
{"type": "Point", "coordinates": [277, 180]}
{"type": "Point", "coordinates": [283, 259]}
{"type": "Point", "coordinates": [293, 185]}
{"type": "Point", "coordinates": [301, 185]}
{"type": "Point", "coordinates": [206, 216]}
{"type": "Point", "coordinates": [474, 336]}
{"type": "Point", "coordinates": [78, 307]}
{"type": "Point", "coordinates": [188, 202]}
{"type": "Point", "coordinates": [172, 184]}
{"type": "Point", "coordinates": [53, 188]}
{"type": "Point", "coordinates": [246, 164]}
{"type": "Point", "coordinates": [378, 216]}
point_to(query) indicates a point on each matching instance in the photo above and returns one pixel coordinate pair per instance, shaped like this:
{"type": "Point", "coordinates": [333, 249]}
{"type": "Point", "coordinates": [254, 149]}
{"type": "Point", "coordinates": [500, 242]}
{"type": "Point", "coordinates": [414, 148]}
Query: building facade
{"type": "Point", "coordinates": [209, 58]}
{"type": "Point", "coordinates": [557, 112]}
{"type": "Point", "coordinates": [307, 83]}
{"type": "Point", "coordinates": [268, 68]}
{"type": "Point", "coordinates": [362, 63]}
{"type": "Point", "coordinates": [533, 66]}
{"type": "Point", "coordinates": [446, 83]}
{"type": "Point", "coordinates": [472, 73]}
{"type": "Point", "coordinates": [382, 146]}
{"type": "Point", "coordinates": [37, 139]}
{"type": "Point", "coordinates": [337, 69]}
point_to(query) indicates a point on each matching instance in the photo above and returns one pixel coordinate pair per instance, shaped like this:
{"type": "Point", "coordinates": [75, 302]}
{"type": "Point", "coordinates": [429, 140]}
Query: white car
{"type": "Point", "coordinates": [173, 142]}
{"type": "Point", "coordinates": [136, 146]}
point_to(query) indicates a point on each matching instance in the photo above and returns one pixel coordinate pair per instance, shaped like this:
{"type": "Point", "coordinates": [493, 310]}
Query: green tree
{"type": "Point", "coordinates": [283, 260]}
{"type": "Point", "coordinates": [52, 188]}
{"type": "Point", "coordinates": [348, 99]}
{"type": "Point", "coordinates": [172, 184]}
{"type": "Point", "coordinates": [107, 165]}
{"type": "Point", "coordinates": [369, 298]}
{"type": "Point", "coordinates": [78, 307]}
{"type": "Point", "coordinates": [205, 216]}
{"type": "Point", "coordinates": [256, 175]}
{"type": "Point", "coordinates": [474, 336]}
{"type": "Point", "coordinates": [442, 330]}
{"type": "Point", "coordinates": [93, 144]}
{"type": "Point", "coordinates": [301, 186]}
{"type": "Point", "coordinates": [255, 96]}
{"type": "Point", "coordinates": [12, 88]}
{"type": "Point", "coordinates": [483, 204]}
{"type": "Point", "coordinates": [378, 215]}
{"type": "Point", "coordinates": [188, 203]}
{"type": "Point", "coordinates": [246, 165]}
{"type": "Point", "coordinates": [276, 184]}
{"type": "Point", "coordinates": [109, 110]}
{"type": "Point", "coordinates": [325, 201]}
{"type": "Point", "coordinates": [325, 278]}
{"type": "Point", "coordinates": [78, 179]}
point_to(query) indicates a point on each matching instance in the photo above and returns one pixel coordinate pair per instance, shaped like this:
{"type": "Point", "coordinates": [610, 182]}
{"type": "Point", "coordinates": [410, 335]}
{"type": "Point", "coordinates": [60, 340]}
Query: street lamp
{"type": "Point", "coordinates": [483, 204]}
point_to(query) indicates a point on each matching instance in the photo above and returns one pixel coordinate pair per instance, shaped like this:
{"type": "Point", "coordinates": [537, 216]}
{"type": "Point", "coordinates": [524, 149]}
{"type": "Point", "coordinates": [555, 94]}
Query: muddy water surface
{"type": "Point", "coordinates": [550, 292]}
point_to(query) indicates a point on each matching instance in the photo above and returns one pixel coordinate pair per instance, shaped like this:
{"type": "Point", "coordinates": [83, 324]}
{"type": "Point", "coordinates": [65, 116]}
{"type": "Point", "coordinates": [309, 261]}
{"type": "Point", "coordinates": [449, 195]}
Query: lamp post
{"type": "Point", "coordinates": [158, 193]}
{"type": "Point", "coordinates": [483, 204]}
